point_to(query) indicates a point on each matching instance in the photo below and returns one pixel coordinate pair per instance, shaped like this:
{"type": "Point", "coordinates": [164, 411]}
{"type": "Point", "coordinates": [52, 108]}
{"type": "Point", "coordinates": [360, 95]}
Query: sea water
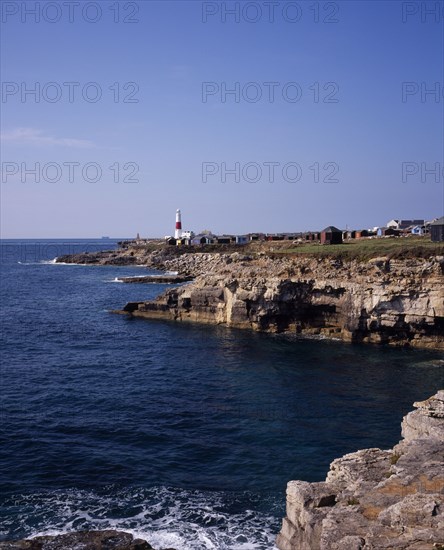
{"type": "Point", "coordinates": [185, 435]}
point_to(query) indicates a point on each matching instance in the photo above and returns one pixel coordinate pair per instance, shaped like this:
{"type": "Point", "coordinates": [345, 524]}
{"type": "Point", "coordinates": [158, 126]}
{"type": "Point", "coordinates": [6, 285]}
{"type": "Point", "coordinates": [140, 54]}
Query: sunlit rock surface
{"type": "Point", "coordinates": [376, 499]}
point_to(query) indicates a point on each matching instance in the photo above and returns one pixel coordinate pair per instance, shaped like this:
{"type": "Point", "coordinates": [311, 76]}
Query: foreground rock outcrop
{"type": "Point", "coordinates": [375, 499]}
{"type": "Point", "coordinates": [382, 300]}
{"type": "Point", "coordinates": [81, 540]}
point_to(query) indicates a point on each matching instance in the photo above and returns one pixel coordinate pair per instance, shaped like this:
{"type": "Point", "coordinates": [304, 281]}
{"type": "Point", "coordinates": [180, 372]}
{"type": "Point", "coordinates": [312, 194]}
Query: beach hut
{"type": "Point", "coordinates": [418, 230]}
{"type": "Point", "coordinates": [223, 239]}
{"type": "Point", "coordinates": [387, 232]}
{"type": "Point", "coordinates": [241, 239]}
{"type": "Point", "coordinates": [331, 235]}
{"type": "Point", "coordinates": [202, 239]}
{"type": "Point", "coordinates": [361, 233]}
{"type": "Point", "coordinates": [437, 230]}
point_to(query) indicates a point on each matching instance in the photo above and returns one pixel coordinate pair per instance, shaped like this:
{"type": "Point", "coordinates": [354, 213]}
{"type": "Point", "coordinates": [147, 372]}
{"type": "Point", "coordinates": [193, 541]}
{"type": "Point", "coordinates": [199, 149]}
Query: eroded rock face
{"type": "Point", "coordinates": [99, 258]}
{"type": "Point", "coordinates": [375, 499]}
{"type": "Point", "coordinates": [399, 302]}
{"type": "Point", "coordinates": [82, 540]}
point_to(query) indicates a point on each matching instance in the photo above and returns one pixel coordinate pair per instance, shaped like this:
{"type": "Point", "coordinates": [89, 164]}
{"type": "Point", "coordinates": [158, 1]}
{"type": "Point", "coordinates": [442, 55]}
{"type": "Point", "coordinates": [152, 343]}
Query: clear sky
{"type": "Point", "coordinates": [320, 129]}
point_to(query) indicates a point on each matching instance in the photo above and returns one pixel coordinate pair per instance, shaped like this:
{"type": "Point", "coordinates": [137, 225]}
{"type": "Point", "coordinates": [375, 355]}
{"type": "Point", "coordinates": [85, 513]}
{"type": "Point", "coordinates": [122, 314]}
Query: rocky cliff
{"type": "Point", "coordinates": [382, 300]}
{"type": "Point", "coordinates": [375, 499]}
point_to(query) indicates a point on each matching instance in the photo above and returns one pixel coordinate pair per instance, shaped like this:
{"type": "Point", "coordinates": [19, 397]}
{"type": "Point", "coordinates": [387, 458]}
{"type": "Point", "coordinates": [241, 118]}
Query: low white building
{"type": "Point", "coordinates": [393, 224]}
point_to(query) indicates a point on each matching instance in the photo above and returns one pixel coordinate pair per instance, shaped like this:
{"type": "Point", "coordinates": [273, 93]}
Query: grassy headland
{"type": "Point", "coordinates": [362, 249]}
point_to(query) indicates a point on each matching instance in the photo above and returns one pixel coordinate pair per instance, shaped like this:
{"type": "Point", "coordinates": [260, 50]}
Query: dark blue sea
{"type": "Point", "coordinates": [184, 435]}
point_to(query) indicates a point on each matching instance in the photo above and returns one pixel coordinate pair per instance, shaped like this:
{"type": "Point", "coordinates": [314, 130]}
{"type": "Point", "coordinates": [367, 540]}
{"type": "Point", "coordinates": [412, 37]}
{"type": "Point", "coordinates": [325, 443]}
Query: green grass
{"type": "Point", "coordinates": [365, 249]}
{"type": "Point", "coordinates": [359, 249]}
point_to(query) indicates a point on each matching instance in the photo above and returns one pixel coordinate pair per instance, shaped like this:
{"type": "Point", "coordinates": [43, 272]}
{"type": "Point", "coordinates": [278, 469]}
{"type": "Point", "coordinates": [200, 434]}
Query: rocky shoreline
{"type": "Point", "coordinates": [81, 540]}
{"type": "Point", "coordinates": [372, 499]}
{"type": "Point", "coordinates": [376, 499]}
{"type": "Point", "coordinates": [382, 300]}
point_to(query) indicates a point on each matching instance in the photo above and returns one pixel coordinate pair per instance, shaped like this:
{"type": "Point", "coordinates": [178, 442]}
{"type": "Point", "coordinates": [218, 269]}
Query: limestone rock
{"type": "Point", "coordinates": [427, 420]}
{"type": "Point", "coordinates": [392, 499]}
{"type": "Point", "coordinates": [401, 305]}
{"type": "Point", "coordinates": [382, 301]}
{"type": "Point", "coordinates": [82, 540]}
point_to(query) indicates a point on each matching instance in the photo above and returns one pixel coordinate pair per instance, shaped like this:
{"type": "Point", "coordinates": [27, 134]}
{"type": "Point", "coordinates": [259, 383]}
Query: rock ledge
{"type": "Point", "coordinates": [352, 301]}
{"type": "Point", "coordinates": [375, 499]}
{"type": "Point", "coordinates": [81, 540]}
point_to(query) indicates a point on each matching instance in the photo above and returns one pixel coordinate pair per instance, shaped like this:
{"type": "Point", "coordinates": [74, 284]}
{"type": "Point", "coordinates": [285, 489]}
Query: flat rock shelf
{"type": "Point", "coordinates": [157, 279]}
{"type": "Point", "coordinates": [376, 499]}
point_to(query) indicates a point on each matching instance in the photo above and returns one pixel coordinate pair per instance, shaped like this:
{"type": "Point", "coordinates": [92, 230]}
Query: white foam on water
{"type": "Point", "coordinates": [42, 262]}
{"type": "Point", "coordinates": [165, 517]}
{"type": "Point", "coordinates": [71, 263]}
{"type": "Point", "coordinates": [55, 262]}
{"type": "Point", "coordinates": [46, 262]}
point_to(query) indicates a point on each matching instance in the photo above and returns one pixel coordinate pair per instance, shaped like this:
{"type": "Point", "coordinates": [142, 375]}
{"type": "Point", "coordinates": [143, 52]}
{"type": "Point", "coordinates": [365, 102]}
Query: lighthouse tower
{"type": "Point", "coordinates": [178, 232]}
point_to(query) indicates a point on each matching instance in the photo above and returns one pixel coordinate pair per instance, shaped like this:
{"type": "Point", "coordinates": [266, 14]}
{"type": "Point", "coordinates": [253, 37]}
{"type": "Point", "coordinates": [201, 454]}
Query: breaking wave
{"type": "Point", "coordinates": [42, 262]}
{"type": "Point", "coordinates": [165, 517]}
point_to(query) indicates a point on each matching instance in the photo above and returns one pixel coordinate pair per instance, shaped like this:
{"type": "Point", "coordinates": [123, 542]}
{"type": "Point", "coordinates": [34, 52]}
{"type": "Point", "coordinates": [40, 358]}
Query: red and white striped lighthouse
{"type": "Point", "coordinates": [178, 232]}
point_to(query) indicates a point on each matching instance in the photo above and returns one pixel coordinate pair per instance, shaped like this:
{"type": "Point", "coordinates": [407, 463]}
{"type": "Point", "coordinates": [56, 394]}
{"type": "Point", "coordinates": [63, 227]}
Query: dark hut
{"type": "Point", "coordinates": [331, 235]}
{"type": "Point", "coordinates": [437, 230]}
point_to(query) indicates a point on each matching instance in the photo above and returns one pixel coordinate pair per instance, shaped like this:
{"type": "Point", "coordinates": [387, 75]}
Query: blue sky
{"type": "Point", "coordinates": [338, 110]}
